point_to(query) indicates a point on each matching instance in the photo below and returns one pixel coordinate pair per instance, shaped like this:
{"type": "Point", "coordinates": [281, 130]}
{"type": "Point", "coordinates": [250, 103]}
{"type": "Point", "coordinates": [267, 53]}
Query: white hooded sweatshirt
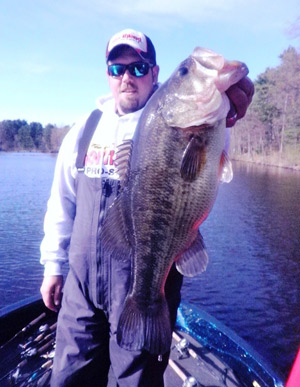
{"type": "Point", "coordinates": [111, 131]}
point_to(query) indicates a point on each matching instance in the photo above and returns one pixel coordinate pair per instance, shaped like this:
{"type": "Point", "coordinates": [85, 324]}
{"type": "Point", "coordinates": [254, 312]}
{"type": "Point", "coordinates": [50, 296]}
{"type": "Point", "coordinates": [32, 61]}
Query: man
{"type": "Point", "coordinates": [82, 191]}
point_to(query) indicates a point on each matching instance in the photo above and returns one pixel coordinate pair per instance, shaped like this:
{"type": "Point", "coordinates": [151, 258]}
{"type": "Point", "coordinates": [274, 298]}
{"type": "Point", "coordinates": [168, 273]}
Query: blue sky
{"type": "Point", "coordinates": [52, 65]}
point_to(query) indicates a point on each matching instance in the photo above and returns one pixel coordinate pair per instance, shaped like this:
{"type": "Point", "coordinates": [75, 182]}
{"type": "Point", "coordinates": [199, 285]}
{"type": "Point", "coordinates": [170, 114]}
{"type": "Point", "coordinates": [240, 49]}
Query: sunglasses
{"type": "Point", "coordinates": [137, 69]}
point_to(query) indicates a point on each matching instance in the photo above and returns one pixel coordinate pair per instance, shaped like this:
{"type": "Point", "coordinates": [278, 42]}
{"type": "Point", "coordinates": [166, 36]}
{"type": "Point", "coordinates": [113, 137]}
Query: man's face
{"type": "Point", "coordinates": [131, 93]}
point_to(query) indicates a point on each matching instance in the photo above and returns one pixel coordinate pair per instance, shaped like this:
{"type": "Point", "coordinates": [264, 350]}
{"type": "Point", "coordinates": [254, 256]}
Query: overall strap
{"type": "Point", "coordinates": [88, 131]}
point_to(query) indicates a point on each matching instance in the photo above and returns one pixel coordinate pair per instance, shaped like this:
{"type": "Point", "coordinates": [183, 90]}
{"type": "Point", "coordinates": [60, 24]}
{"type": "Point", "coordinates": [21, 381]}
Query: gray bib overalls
{"type": "Point", "coordinates": [94, 294]}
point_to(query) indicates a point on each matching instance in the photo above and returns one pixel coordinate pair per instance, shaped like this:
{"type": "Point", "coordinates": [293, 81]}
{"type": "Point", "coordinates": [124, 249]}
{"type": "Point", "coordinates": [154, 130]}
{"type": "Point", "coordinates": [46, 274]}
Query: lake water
{"type": "Point", "coordinates": [252, 237]}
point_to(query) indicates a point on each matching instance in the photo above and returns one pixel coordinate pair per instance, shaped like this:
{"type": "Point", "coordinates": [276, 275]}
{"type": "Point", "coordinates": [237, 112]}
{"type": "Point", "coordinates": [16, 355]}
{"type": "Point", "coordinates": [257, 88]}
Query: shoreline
{"type": "Point", "coordinates": [233, 158]}
{"type": "Point", "coordinates": [267, 164]}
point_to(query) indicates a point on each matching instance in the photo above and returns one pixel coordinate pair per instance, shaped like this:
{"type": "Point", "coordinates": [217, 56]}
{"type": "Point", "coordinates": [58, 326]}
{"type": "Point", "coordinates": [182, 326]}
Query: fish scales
{"type": "Point", "coordinates": [175, 162]}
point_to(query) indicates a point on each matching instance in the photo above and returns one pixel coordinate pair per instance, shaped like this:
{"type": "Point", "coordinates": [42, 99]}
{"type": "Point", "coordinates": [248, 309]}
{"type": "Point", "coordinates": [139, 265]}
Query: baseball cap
{"type": "Point", "coordinates": [135, 39]}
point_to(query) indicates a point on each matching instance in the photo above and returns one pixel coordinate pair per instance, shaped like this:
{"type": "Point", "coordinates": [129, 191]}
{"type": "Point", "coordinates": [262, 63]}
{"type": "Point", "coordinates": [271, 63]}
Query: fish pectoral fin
{"type": "Point", "coordinates": [225, 173]}
{"type": "Point", "coordinates": [115, 232]}
{"type": "Point", "coordinates": [193, 159]}
{"type": "Point", "coordinates": [194, 260]}
{"type": "Point", "coordinates": [145, 328]}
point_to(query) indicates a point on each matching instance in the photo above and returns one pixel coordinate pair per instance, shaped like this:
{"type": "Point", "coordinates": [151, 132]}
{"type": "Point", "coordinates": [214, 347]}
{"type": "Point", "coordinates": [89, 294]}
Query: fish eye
{"type": "Point", "coordinates": [183, 70]}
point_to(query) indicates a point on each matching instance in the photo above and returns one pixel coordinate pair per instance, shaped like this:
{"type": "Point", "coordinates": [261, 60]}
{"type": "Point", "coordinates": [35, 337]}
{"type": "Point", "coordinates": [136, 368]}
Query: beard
{"type": "Point", "coordinates": [129, 103]}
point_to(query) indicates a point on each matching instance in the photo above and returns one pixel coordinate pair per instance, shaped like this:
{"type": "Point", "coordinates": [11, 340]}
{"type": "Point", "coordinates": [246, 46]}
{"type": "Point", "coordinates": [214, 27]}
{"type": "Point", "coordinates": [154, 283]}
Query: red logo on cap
{"type": "Point", "coordinates": [130, 36]}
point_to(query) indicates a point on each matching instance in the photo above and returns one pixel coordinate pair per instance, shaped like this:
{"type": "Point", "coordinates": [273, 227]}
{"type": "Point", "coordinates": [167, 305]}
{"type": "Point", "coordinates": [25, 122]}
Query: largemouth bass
{"type": "Point", "coordinates": [170, 174]}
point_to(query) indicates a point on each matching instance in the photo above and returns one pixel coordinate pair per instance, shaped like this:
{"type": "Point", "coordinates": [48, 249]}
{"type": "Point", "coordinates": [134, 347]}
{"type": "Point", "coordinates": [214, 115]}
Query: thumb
{"type": "Point", "coordinates": [231, 116]}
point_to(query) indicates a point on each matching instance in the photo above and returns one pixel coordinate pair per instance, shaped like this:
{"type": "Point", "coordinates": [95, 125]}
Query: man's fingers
{"type": "Point", "coordinates": [240, 95]}
{"type": "Point", "coordinates": [239, 100]}
{"type": "Point", "coordinates": [48, 301]}
{"type": "Point", "coordinates": [57, 296]}
{"type": "Point", "coordinates": [51, 291]}
{"type": "Point", "coordinates": [247, 86]}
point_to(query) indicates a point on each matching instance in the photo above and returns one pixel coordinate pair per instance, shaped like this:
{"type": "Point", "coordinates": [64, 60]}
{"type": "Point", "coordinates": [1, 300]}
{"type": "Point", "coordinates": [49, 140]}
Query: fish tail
{"type": "Point", "coordinates": [147, 329]}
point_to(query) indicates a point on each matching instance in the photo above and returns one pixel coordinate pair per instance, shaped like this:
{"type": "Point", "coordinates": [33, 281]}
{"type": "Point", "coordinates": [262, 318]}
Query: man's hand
{"type": "Point", "coordinates": [51, 291]}
{"type": "Point", "coordinates": [240, 96]}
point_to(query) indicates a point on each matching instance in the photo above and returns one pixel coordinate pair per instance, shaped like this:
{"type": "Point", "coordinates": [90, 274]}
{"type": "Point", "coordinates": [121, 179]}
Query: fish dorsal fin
{"type": "Point", "coordinates": [194, 260]}
{"type": "Point", "coordinates": [194, 158]}
{"type": "Point", "coordinates": [122, 160]}
{"type": "Point", "coordinates": [117, 231]}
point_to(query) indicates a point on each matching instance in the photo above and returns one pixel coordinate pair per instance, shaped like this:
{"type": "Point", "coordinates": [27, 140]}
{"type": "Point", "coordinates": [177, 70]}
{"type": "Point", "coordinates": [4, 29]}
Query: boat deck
{"type": "Point", "coordinates": [193, 366]}
{"type": "Point", "coordinates": [197, 362]}
{"type": "Point", "coordinates": [202, 353]}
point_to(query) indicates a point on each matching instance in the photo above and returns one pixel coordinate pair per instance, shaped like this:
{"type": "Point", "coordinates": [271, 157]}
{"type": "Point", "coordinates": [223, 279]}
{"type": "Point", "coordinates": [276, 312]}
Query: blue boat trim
{"type": "Point", "coordinates": [219, 339]}
{"type": "Point", "coordinates": [19, 305]}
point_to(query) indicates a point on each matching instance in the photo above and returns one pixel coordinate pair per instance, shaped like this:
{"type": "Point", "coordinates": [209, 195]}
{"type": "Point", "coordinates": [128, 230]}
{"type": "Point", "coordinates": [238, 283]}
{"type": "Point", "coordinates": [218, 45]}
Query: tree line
{"type": "Point", "coordinates": [18, 135]}
{"type": "Point", "coordinates": [270, 132]}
